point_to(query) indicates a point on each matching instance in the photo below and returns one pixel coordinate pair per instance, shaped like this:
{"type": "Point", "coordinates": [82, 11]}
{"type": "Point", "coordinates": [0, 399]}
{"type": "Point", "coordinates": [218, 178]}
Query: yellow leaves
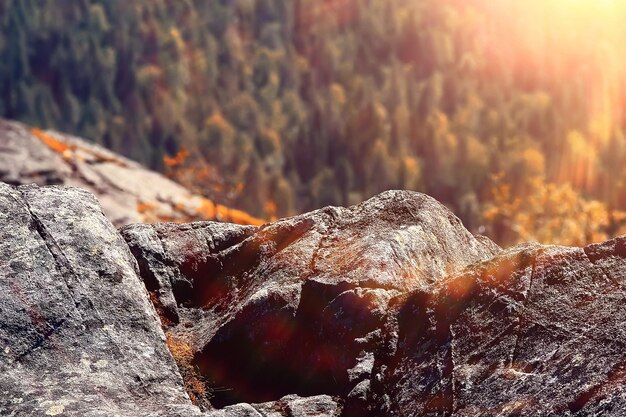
{"type": "Point", "coordinates": [439, 120]}
{"type": "Point", "coordinates": [534, 162]}
{"type": "Point", "coordinates": [218, 120]}
{"type": "Point", "coordinates": [148, 74]}
{"type": "Point", "coordinates": [477, 152]}
{"type": "Point", "coordinates": [491, 213]}
{"type": "Point", "coordinates": [578, 145]}
{"type": "Point", "coordinates": [380, 112]}
{"type": "Point", "coordinates": [338, 93]}
{"type": "Point", "coordinates": [178, 39]}
{"type": "Point", "coordinates": [412, 166]}
{"type": "Point", "coordinates": [549, 213]}
{"type": "Point", "coordinates": [578, 164]}
{"type": "Point", "coordinates": [274, 79]}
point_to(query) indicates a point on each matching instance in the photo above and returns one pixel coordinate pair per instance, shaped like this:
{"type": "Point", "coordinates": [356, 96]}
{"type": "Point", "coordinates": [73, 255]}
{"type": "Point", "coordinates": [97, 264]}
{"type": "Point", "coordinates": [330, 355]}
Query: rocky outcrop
{"type": "Point", "coordinates": [296, 306]}
{"type": "Point", "coordinates": [128, 192]}
{"type": "Point", "coordinates": [536, 331]}
{"type": "Point", "coordinates": [387, 308]}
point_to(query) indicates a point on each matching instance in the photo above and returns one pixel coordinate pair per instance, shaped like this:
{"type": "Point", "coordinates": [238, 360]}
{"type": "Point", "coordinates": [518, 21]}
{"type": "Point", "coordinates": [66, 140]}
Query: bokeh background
{"type": "Point", "coordinates": [510, 112]}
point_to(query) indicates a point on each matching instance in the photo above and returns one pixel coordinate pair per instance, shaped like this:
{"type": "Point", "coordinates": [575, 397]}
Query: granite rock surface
{"type": "Point", "coordinates": [387, 308]}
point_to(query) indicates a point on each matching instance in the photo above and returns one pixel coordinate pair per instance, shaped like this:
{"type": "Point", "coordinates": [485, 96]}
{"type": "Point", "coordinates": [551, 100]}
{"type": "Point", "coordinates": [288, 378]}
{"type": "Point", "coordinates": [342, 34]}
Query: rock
{"type": "Point", "coordinates": [318, 406]}
{"type": "Point", "coordinates": [169, 254]}
{"type": "Point", "coordinates": [388, 308]}
{"type": "Point", "coordinates": [128, 192]}
{"type": "Point", "coordinates": [78, 335]}
{"type": "Point", "coordinates": [297, 306]}
{"type": "Point", "coordinates": [288, 406]}
{"type": "Point", "coordinates": [536, 331]}
{"type": "Point", "coordinates": [237, 410]}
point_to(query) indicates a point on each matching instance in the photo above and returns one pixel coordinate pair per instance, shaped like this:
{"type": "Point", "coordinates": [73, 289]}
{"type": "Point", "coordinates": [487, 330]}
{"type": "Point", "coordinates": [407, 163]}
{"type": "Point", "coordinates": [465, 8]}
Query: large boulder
{"type": "Point", "coordinates": [78, 334]}
{"type": "Point", "coordinates": [297, 306]}
{"type": "Point", "coordinates": [536, 331]}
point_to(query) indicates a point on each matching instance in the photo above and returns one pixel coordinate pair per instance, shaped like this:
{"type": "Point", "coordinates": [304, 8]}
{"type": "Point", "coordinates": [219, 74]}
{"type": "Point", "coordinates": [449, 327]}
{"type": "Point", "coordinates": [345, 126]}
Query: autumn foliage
{"type": "Point", "coordinates": [275, 107]}
{"type": "Point", "coordinates": [549, 213]}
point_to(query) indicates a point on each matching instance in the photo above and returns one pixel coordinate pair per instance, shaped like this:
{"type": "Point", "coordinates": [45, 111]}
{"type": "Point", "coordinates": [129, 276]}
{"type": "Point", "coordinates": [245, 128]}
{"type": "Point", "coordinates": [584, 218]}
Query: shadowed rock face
{"type": "Point", "coordinates": [388, 308]}
{"type": "Point", "coordinates": [296, 307]}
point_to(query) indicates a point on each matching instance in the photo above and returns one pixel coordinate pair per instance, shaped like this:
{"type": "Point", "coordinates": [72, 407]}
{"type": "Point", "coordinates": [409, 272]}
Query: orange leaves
{"type": "Point", "coordinates": [176, 160]}
{"type": "Point", "coordinates": [549, 213]}
{"type": "Point", "coordinates": [203, 179]}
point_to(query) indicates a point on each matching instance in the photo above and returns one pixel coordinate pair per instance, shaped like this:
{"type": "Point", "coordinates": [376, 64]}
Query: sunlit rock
{"type": "Point", "coordinates": [297, 306]}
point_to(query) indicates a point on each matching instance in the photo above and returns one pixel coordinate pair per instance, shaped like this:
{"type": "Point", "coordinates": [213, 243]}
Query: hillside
{"type": "Point", "coordinates": [387, 308]}
{"type": "Point", "coordinates": [511, 113]}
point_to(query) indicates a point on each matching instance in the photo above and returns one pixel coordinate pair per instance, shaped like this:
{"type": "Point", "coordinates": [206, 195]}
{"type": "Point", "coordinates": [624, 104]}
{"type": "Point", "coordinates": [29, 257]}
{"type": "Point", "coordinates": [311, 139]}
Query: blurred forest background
{"type": "Point", "coordinates": [511, 112]}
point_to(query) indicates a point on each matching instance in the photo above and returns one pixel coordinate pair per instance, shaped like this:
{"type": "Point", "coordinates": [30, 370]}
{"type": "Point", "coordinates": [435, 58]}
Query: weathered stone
{"type": "Point", "coordinates": [319, 406]}
{"type": "Point", "coordinates": [296, 306]}
{"type": "Point", "coordinates": [78, 335]}
{"type": "Point", "coordinates": [388, 308]}
{"type": "Point", "coordinates": [295, 406]}
{"type": "Point", "coordinates": [536, 331]}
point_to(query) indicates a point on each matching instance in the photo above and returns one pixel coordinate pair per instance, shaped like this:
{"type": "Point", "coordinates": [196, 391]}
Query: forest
{"type": "Point", "coordinates": [511, 113]}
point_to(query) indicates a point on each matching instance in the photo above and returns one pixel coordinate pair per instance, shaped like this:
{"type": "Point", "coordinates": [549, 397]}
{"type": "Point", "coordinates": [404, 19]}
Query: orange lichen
{"type": "Point", "coordinates": [271, 208]}
{"type": "Point", "coordinates": [165, 322]}
{"type": "Point", "coordinates": [170, 219]}
{"type": "Point", "coordinates": [207, 209]}
{"type": "Point", "coordinates": [241, 217]}
{"type": "Point", "coordinates": [181, 208]}
{"type": "Point", "coordinates": [221, 213]}
{"type": "Point", "coordinates": [67, 150]}
{"type": "Point", "coordinates": [226, 214]}
{"type": "Point", "coordinates": [183, 354]}
{"type": "Point", "coordinates": [143, 207]}
{"type": "Point", "coordinates": [54, 144]}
